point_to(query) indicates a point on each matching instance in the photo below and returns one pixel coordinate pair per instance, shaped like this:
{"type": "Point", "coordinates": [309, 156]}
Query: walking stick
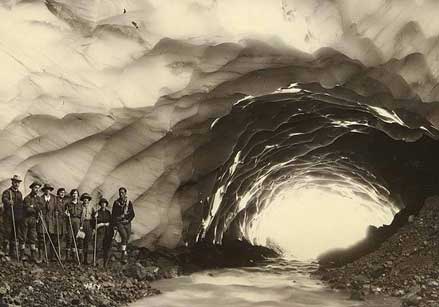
{"type": "Point", "coordinates": [74, 241]}
{"type": "Point", "coordinates": [50, 240]}
{"type": "Point", "coordinates": [57, 233]}
{"type": "Point", "coordinates": [15, 230]}
{"type": "Point", "coordinates": [44, 241]}
{"type": "Point", "coordinates": [96, 236]}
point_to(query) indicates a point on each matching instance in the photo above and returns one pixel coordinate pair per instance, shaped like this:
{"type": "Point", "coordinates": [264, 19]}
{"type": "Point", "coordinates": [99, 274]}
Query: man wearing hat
{"type": "Point", "coordinates": [121, 217]}
{"type": "Point", "coordinates": [51, 213]}
{"type": "Point", "coordinates": [12, 200]}
{"type": "Point", "coordinates": [86, 224]}
{"type": "Point", "coordinates": [31, 211]}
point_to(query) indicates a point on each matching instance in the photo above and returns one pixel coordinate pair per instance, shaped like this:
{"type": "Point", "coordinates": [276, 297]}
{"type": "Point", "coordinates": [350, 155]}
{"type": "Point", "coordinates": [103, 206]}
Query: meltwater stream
{"type": "Point", "coordinates": [276, 284]}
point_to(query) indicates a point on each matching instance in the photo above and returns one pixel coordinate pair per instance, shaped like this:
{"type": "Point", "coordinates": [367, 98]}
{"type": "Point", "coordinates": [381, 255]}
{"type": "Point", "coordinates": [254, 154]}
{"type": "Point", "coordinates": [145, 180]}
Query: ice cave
{"type": "Point", "coordinates": [302, 141]}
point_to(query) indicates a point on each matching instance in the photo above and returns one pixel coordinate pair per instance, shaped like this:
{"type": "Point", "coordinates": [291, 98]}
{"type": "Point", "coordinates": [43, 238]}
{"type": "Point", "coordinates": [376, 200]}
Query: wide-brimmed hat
{"type": "Point", "coordinates": [47, 186]}
{"type": "Point", "coordinates": [35, 183]}
{"type": "Point", "coordinates": [103, 200]}
{"type": "Point", "coordinates": [85, 195]}
{"type": "Point", "coordinates": [16, 178]}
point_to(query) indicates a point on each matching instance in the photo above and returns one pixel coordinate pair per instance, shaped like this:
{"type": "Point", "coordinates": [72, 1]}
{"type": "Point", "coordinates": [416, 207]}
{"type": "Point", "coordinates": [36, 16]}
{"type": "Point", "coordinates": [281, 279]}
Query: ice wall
{"type": "Point", "coordinates": [95, 97]}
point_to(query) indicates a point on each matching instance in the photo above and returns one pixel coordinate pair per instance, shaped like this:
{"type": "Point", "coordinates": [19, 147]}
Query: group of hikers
{"type": "Point", "coordinates": [61, 227]}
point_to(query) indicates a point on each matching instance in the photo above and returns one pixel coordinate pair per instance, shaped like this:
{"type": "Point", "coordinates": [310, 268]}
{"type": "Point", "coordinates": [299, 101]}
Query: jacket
{"type": "Point", "coordinates": [102, 216]}
{"type": "Point", "coordinates": [51, 213]}
{"type": "Point", "coordinates": [122, 213]}
{"type": "Point", "coordinates": [31, 205]}
{"type": "Point", "coordinates": [9, 197]}
{"type": "Point", "coordinates": [75, 210]}
{"type": "Point", "coordinates": [62, 204]}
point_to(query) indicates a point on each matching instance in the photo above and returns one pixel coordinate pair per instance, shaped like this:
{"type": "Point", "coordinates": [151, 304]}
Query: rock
{"type": "Point", "coordinates": [102, 301]}
{"type": "Point", "coordinates": [135, 270]}
{"type": "Point", "coordinates": [357, 295]}
{"type": "Point", "coordinates": [410, 300]}
{"type": "Point", "coordinates": [3, 303]}
{"type": "Point", "coordinates": [75, 302]}
{"type": "Point", "coordinates": [152, 273]}
{"type": "Point", "coordinates": [414, 290]}
{"type": "Point", "coordinates": [4, 289]}
{"type": "Point", "coordinates": [359, 281]}
{"type": "Point", "coordinates": [38, 283]}
{"type": "Point", "coordinates": [376, 271]}
{"type": "Point", "coordinates": [171, 272]}
{"type": "Point", "coordinates": [398, 293]}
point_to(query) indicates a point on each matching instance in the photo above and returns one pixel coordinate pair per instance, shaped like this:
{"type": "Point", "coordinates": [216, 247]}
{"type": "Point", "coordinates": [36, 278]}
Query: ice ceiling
{"type": "Point", "coordinates": [190, 105]}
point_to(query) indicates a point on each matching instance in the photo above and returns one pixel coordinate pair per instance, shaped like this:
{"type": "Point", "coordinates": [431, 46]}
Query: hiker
{"type": "Point", "coordinates": [31, 217]}
{"type": "Point", "coordinates": [61, 223]}
{"type": "Point", "coordinates": [101, 225]}
{"type": "Point", "coordinates": [121, 217]}
{"type": "Point", "coordinates": [86, 225]}
{"type": "Point", "coordinates": [12, 200]}
{"type": "Point", "coordinates": [73, 215]}
{"type": "Point", "coordinates": [50, 213]}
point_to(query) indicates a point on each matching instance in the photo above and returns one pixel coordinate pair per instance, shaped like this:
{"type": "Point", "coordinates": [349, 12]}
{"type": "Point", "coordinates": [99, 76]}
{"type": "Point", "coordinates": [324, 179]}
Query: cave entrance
{"type": "Point", "coordinates": [304, 222]}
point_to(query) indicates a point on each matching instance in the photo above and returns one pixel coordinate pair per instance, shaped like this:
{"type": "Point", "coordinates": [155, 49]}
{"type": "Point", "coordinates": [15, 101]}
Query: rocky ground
{"type": "Point", "coordinates": [119, 284]}
{"type": "Point", "coordinates": [406, 265]}
{"type": "Point", "coordinates": [32, 285]}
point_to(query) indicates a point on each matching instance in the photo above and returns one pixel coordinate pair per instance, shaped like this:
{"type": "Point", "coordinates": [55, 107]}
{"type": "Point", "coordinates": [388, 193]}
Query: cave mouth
{"type": "Point", "coordinates": [307, 170]}
{"type": "Point", "coordinates": [303, 222]}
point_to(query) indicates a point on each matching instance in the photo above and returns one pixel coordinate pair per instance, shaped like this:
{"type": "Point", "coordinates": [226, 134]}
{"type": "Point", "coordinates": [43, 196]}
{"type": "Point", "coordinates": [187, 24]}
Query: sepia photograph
{"type": "Point", "coordinates": [215, 153]}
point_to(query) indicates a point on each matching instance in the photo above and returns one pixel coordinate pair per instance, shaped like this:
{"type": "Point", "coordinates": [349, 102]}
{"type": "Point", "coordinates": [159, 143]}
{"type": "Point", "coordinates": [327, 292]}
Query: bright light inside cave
{"type": "Point", "coordinates": [307, 222]}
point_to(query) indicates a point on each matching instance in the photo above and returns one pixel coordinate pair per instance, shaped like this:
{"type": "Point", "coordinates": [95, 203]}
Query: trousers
{"type": "Point", "coordinates": [124, 232]}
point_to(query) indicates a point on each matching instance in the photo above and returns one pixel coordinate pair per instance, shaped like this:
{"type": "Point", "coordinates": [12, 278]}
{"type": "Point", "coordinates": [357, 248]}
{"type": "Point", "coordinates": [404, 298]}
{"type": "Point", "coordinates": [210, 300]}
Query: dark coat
{"type": "Point", "coordinates": [9, 197]}
{"type": "Point", "coordinates": [32, 206]}
{"type": "Point", "coordinates": [62, 205]}
{"type": "Point", "coordinates": [52, 213]}
{"type": "Point", "coordinates": [122, 213]}
{"type": "Point", "coordinates": [75, 210]}
{"type": "Point", "coordinates": [102, 216]}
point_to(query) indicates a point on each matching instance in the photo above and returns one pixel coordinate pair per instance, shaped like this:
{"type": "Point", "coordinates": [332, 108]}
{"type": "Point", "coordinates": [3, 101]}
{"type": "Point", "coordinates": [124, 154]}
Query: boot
{"type": "Point", "coordinates": [51, 254]}
{"type": "Point", "coordinates": [80, 255]}
{"type": "Point", "coordinates": [106, 257]}
{"type": "Point", "coordinates": [75, 254]}
{"type": "Point", "coordinates": [85, 257]}
{"type": "Point", "coordinates": [6, 249]}
{"type": "Point", "coordinates": [124, 257]}
{"type": "Point", "coordinates": [23, 253]}
{"type": "Point", "coordinates": [42, 254]}
{"type": "Point", "coordinates": [33, 256]}
{"type": "Point", "coordinates": [3, 249]}
{"type": "Point", "coordinates": [12, 251]}
{"type": "Point", "coordinates": [67, 257]}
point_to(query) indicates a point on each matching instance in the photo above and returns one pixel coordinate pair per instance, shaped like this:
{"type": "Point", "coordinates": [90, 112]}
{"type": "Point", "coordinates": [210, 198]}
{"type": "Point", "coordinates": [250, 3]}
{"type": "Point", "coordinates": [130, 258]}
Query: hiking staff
{"type": "Point", "coordinates": [96, 237]}
{"type": "Point", "coordinates": [50, 240]}
{"type": "Point", "coordinates": [44, 241]}
{"type": "Point", "coordinates": [74, 241]}
{"type": "Point", "coordinates": [15, 229]}
{"type": "Point", "coordinates": [57, 234]}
